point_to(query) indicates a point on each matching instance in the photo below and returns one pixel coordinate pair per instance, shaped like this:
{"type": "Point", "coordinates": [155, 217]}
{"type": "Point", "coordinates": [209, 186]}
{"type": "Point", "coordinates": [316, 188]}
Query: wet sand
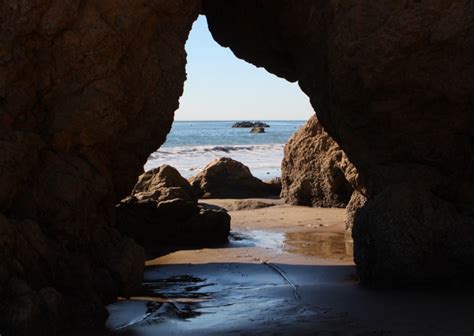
{"type": "Point", "coordinates": [286, 271]}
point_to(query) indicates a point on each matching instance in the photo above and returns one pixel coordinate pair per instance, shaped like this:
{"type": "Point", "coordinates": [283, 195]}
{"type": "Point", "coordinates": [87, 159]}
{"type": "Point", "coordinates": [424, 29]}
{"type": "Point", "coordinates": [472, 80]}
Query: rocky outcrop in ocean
{"type": "Point", "coordinates": [250, 124]}
{"type": "Point", "coordinates": [257, 130]}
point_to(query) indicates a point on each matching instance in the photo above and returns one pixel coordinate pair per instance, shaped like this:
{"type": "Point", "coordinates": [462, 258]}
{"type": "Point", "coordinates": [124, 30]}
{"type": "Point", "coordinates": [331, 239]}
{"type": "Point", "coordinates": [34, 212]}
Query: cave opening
{"type": "Point", "coordinates": [88, 89]}
{"type": "Point", "coordinates": [210, 195]}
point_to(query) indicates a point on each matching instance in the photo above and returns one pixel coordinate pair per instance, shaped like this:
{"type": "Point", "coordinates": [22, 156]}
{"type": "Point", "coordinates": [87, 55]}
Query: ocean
{"type": "Point", "coordinates": [191, 145]}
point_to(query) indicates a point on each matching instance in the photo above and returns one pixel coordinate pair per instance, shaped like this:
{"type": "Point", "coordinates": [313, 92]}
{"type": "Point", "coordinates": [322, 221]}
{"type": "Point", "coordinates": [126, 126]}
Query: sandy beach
{"type": "Point", "coordinates": [287, 270]}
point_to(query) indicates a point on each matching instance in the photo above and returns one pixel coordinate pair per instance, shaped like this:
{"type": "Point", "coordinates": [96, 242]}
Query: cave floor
{"type": "Point", "coordinates": [286, 271]}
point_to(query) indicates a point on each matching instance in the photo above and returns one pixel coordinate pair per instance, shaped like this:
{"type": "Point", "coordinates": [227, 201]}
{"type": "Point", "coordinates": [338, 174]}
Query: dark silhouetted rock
{"type": "Point", "coordinates": [250, 124]}
{"type": "Point", "coordinates": [88, 90]}
{"type": "Point", "coordinates": [392, 82]}
{"type": "Point", "coordinates": [257, 130]}
{"type": "Point", "coordinates": [227, 178]}
{"type": "Point", "coordinates": [315, 171]}
{"type": "Point", "coordinates": [163, 209]}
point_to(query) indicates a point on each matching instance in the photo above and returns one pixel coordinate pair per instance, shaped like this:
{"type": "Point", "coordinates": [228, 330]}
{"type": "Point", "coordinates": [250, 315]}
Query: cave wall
{"type": "Point", "coordinates": [88, 90]}
{"type": "Point", "coordinates": [392, 82]}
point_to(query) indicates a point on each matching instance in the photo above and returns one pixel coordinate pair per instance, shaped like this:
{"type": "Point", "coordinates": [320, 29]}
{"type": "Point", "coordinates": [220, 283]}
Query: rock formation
{"type": "Point", "coordinates": [249, 124]}
{"type": "Point", "coordinates": [315, 171]}
{"type": "Point", "coordinates": [163, 209]}
{"type": "Point", "coordinates": [257, 130]}
{"type": "Point", "coordinates": [392, 82]}
{"type": "Point", "coordinates": [227, 178]}
{"type": "Point", "coordinates": [87, 92]}
{"type": "Point", "coordinates": [356, 202]}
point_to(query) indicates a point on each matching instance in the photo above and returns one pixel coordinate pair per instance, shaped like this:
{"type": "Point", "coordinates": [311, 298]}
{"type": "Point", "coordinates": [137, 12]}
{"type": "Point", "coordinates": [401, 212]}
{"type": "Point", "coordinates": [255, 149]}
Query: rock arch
{"type": "Point", "coordinates": [88, 90]}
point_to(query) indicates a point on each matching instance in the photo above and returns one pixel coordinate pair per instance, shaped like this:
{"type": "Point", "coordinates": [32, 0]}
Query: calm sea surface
{"type": "Point", "coordinates": [191, 145]}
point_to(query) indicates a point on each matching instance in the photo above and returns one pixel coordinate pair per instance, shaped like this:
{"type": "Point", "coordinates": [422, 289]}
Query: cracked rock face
{"type": "Point", "coordinates": [392, 82]}
{"type": "Point", "coordinates": [163, 209]}
{"type": "Point", "coordinates": [315, 170]}
{"type": "Point", "coordinates": [87, 91]}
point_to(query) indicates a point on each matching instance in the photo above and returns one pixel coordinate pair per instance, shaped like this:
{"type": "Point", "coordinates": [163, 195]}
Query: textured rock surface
{"type": "Point", "coordinates": [227, 178]}
{"type": "Point", "coordinates": [161, 184]}
{"type": "Point", "coordinates": [163, 209]}
{"type": "Point", "coordinates": [87, 91]}
{"type": "Point", "coordinates": [356, 202]}
{"type": "Point", "coordinates": [315, 171]}
{"type": "Point", "coordinates": [392, 82]}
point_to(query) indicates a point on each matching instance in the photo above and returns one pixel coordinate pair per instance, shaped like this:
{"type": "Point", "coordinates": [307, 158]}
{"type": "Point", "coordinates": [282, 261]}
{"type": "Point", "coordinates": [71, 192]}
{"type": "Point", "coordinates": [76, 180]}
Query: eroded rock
{"type": "Point", "coordinates": [392, 83]}
{"type": "Point", "coordinates": [163, 209]}
{"type": "Point", "coordinates": [315, 170]}
{"type": "Point", "coordinates": [227, 178]}
{"type": "Point", "coordinates": [250, 124]}
{"type": "Point", "coordinates": [87, 92]}
{"type": "Point", "coordinates": [356, 202]}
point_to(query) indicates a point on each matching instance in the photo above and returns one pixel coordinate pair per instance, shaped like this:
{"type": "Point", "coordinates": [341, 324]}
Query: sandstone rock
{"type": "Point", "coordinates": [392, 83]}
{"type": "Point", "coordinates": [356, 202]}
{"type": "Point", "coordinates": [227, 178]}
{"type": "Point", "coordinates": [88, 89]}
{"type": "Point", "coordinates": [315, 170]}
{"type": "Point", "coordinates": [163, 209]}
{"type": "Point", "coordinates": [87, 92]}
{"type": "Point", "coordinates": [162, 184]}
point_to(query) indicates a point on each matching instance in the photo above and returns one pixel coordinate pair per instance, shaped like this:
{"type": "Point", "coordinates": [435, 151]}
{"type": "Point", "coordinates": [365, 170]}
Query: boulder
{"type": "Point", "coordinates": [163, 209]}
{"type": "Point", "coordinates": [227, 178]}
{"type": "Point", "coordinates": [315, 170]}
{"type": "Point", "coordinates": [257, 130]}
{"type": "Point", "coordinates": [162, 184]}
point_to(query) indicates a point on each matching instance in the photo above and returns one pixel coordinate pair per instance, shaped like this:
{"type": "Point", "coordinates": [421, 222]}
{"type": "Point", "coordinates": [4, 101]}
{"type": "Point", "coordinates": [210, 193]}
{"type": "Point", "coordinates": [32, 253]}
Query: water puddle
{"type": "Point", "coordinates": [260, 238]}
{"type": "Point", "coordinates": [190, 299]}
{"type": "Point", "coordinates": [333, 245]}
{"type": "Point", "coordinates": [319, 244]}
{"type": "Point", "coordinates": [197, 299]}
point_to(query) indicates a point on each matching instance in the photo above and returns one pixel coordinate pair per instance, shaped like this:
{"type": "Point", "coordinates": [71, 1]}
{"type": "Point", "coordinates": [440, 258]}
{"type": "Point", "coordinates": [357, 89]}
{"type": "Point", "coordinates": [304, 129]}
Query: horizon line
{"type": "Point", "coordinates": [240, 119]}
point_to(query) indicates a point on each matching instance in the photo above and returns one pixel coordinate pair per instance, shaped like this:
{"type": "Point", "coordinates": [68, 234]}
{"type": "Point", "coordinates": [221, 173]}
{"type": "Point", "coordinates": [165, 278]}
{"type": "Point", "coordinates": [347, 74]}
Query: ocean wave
{"type": "Point", "coordinates": [217, 149]}
{"type": "Point", "coordinates": [262, 159]}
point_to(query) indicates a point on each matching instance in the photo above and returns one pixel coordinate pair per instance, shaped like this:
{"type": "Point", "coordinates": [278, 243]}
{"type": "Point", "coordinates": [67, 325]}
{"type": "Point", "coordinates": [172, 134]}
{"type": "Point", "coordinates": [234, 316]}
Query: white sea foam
{"type": "Point", "coordinates": [264, 160]}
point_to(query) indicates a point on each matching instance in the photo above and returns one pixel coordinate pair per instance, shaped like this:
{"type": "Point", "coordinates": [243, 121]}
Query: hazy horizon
{"type": "Point", "coordinates": [222, 87]}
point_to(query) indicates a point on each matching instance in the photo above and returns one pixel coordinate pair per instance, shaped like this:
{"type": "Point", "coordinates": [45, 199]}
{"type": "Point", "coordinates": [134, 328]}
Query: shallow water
{"type": "Point", "coordinates": [321, 244]}
{"type": "Point", "coordinates": [208, 299]}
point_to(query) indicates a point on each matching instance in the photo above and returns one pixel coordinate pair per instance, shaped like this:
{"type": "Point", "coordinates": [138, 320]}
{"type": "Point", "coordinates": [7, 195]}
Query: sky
{"type": "Point", "coordinates": [222, 87]}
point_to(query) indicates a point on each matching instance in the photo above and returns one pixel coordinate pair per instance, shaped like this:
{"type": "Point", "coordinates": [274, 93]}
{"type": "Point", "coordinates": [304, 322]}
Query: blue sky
{"type": "Point", "coordinates": [222, 87]}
